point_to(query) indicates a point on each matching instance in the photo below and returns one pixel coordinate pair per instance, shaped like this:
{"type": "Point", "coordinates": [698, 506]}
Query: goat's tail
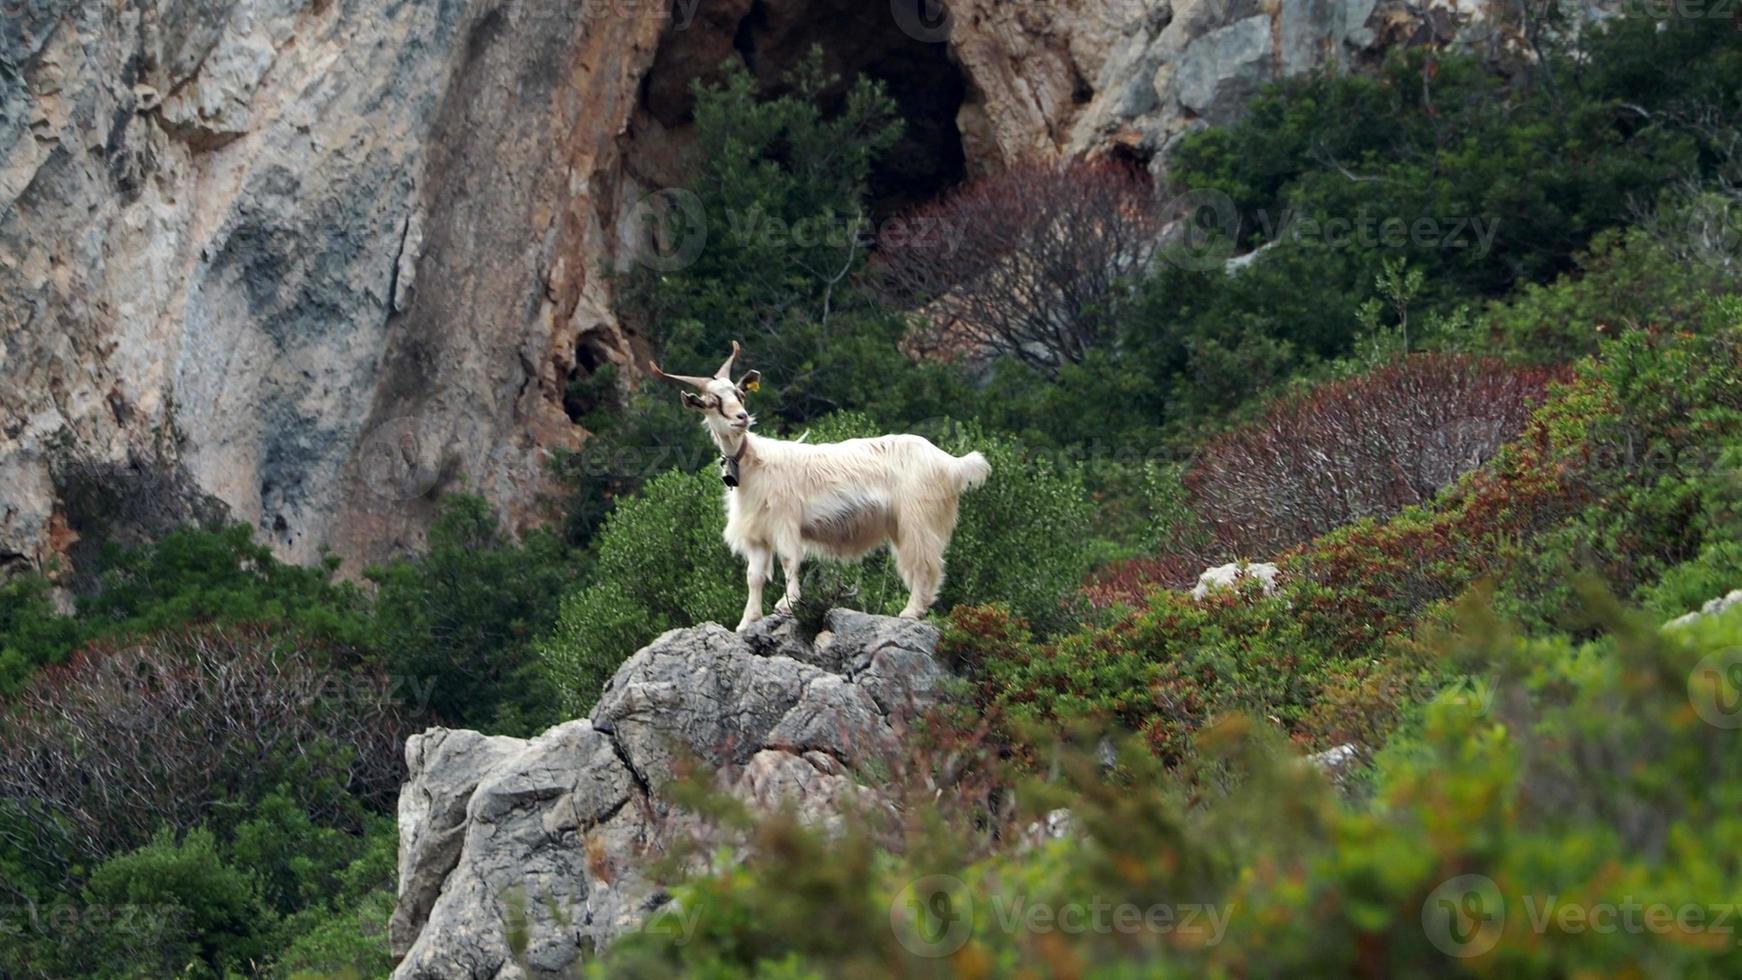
{"type": "Point", "coordinates": [972, 470]}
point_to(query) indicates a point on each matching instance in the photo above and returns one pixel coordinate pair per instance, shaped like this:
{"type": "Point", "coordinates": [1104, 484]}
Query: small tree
{"type": "Point", "coordinates": [775, 224]}
{"type": "Point", "coordinates": [459, 620]}
{"type": "Point", "coordinates": [1028, 263]}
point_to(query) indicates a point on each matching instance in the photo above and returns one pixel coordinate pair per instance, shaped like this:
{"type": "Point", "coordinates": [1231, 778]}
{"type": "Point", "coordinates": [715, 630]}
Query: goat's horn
{"type": "Point", "coordinates": [725, 370]}
{"type": "Point", "coordinates": [680, 379]}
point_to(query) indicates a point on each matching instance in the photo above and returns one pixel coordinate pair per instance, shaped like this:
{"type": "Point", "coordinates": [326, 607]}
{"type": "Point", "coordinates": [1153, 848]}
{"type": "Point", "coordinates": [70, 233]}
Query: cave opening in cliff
{"type": "Point", "coordinates": [770, 37]}
{"type": "Point", "coordinates": [587, 390]}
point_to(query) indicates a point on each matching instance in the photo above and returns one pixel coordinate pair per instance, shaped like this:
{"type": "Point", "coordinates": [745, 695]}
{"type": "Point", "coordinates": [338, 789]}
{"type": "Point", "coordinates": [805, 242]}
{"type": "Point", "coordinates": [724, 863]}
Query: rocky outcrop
{"type": "Point", "coordinates": [1712, 608]}
{"type": "Point", "coordinates": [1230, 576]}
{"type": "Point", "coordinates": [1177, 65]}
{"type": "Point", "coordinates": [556, 833]}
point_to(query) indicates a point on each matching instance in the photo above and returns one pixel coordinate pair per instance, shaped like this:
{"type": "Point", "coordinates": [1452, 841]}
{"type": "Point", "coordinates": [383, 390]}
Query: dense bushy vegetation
{"type": "Point", "coordinates": [1539, 384]}
{"type": "Point", "coordinates": [1366, 446]}
{"type": "Point", "coordinates": [1484, 183]}
{"type": "Point", "coordinates": [201, 783]}
{"type": "Point", "coordinates": [1577, 817]}
{"type": "Point", "coordinates": [1616, 475]}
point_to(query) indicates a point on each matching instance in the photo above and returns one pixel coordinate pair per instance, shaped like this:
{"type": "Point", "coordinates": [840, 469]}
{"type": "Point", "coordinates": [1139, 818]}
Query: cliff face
{"type": "Point", "coordinates": [320, 261]}
{"type": "Point", "coordinates": [240, 239]}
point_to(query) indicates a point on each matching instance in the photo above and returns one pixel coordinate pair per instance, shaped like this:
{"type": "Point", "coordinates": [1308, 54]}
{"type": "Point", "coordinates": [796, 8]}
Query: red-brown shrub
{"type": "Point", "coordinates": [1038, 255]}
{"type": "Point", "coordinates": [1366, 446]}
{"type": "Point", "coordinates": [1372, 580]}
{"type": "Point", "coordinates": [118, 742]}
{"type": "Point", "coordinates": [1129, 582]}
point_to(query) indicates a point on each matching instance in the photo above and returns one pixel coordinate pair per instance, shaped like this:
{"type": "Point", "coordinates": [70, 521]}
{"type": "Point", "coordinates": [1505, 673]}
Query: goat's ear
{"type": "Point", "coordinates": [750, 381]}
{"type": "Point", "coordinates": [693, 400]}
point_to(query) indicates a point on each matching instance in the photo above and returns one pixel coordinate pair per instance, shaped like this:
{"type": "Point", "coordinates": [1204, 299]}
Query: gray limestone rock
{"type": "Point", "coordinates": [556, 835]}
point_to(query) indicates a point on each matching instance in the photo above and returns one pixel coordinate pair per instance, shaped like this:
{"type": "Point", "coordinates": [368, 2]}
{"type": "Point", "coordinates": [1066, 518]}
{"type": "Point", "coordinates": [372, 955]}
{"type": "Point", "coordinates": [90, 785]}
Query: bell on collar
{"type": "Point", "coordinates": [728, 471]}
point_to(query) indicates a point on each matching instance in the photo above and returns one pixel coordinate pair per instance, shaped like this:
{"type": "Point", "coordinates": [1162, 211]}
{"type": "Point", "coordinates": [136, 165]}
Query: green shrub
{"type": "Point", "coordinates": [780, 184]}
{"type": "Point", "coordinates": [190, 575]}
{"type": "Point", "coordinates": [1658, 473]}
{"type": "Point", "coordinates": [193, 575]}
{"type": "Point", "coordinates": [33, 633]}
{"type": "Point", "coordinates": [295, 860]}
{"type": "Point", "coordinates": [661, 562]}
{"type": "Point", "coordinates": [456, 625]}
{"type": "Point", "coordinates": [215, 919]}
{"type": "Point", "coordinates": [1716, 571]}
{"type": "Point", "coordinates": [349, 942]}
{"type": "Point", "coordinates": [1023, 539]}
{"type": "Point", "coordinates": [1627, 281]}
{"type": "Point", "coordinates": [345, 933]}
{"type": "Point", "coordinates": [1165, 672]}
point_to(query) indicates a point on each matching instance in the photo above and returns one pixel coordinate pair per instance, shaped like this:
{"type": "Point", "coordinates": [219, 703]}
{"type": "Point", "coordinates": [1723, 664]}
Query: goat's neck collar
{"type": "Point", "coordinates": [732, 446]}
{"type": "Point", "coordinates": [730, 457]}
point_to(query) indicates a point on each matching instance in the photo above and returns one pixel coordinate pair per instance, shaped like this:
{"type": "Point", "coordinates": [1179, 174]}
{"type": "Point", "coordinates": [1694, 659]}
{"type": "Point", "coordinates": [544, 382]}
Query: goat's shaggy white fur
{"type": "Point", "coordinates": [838, 500]}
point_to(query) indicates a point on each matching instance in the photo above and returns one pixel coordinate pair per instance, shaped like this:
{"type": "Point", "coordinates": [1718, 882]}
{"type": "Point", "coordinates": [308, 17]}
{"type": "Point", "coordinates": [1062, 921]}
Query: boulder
{"type": "Point", "coordinates": [1711, 608]}
{"type": "Point", "coordinates": [553, 837]}
{"type": "Point", "coordinates": [1230, 575]}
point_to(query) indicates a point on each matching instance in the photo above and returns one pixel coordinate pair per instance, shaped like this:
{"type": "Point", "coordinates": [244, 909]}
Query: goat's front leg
{"type": "Point", "coordinates": [758, 565]}
{"type": "Point", "coordinates": [789, 566]}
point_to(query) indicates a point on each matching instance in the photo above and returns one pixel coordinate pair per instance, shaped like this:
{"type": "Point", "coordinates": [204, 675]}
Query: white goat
{"type": "Point", "coordinates": [840, 499]}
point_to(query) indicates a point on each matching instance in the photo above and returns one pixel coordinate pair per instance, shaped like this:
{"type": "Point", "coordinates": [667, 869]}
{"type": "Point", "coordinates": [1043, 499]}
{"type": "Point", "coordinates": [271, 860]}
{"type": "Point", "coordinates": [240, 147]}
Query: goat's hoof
{"type": "Point", "coordinates": [783, 608]}
{"type": "Point", "coordinates": [744, 624]}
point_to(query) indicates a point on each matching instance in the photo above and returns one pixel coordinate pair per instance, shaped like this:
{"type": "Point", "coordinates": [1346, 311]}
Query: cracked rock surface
{"type": "Point", "coordinates": [565, 826]}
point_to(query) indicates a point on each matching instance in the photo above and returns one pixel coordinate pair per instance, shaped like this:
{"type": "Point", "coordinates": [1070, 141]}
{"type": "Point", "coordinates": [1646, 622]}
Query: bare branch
{"type": "Point", "coordinates": [1026, 264]}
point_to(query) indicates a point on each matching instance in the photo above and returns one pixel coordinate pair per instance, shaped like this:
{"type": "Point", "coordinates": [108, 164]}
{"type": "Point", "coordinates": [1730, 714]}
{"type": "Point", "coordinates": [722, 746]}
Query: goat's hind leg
{"type": "Point", "coordinates": [758, 565]}
{"type": "Point", "coordinates": [921, 566]}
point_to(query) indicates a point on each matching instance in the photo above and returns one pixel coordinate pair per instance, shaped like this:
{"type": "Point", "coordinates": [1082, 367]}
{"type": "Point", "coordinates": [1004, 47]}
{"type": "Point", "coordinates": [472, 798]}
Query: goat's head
{"type": "Point", "coordinates": [719, 398]}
